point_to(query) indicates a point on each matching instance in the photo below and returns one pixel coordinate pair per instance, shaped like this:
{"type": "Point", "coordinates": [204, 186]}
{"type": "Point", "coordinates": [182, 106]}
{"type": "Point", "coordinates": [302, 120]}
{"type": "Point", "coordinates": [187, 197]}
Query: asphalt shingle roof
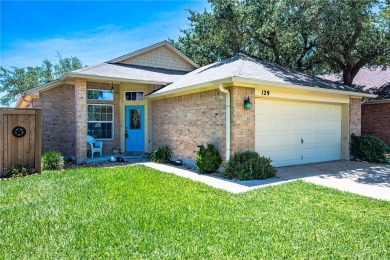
{"type": "Point", "coordinates": [365, 78]}
{"type": "Point", "coordinates": [242, 66]}
{"type": "Point", "coordinates": [131, 72]}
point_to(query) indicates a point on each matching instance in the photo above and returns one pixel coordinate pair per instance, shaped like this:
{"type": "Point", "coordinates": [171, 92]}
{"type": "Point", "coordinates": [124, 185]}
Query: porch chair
{"type": "Point", "coordinates": [96, 146]}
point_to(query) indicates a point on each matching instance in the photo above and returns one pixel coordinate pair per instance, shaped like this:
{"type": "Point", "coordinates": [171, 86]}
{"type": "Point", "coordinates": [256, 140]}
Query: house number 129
{"type": "Point", "coordinates": [265, 92]}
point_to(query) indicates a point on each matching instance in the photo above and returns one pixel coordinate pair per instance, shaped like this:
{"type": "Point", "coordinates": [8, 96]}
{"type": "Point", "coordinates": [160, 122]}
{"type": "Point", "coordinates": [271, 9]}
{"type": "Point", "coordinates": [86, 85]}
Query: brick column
{"type": "Point", "coordinates": [242, 120]}
{"type": "Point", "coordinates": [81, 120]}
{"type": "Point", "coordinates": [355, 116]}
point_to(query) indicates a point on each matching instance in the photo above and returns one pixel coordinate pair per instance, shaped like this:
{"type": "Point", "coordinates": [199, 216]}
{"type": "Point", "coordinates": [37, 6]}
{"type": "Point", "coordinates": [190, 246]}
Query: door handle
{"type": "Point", "coordinates": [126, 133]}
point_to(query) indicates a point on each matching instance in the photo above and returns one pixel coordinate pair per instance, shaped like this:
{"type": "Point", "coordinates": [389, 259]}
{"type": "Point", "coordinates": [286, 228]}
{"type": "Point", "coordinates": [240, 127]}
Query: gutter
{"type": "Point", "coordinates": [223, 90]}
{"type": "Point", "coordinates": [256, 82]}
{"type": "Point", "coordinates": [300, 87]}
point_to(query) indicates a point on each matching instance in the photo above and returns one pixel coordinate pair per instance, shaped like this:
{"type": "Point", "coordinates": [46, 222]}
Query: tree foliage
{"type": "Point", "coordinates": [15, 81]}
{"type": "Point", "coordinates": [317, 36]}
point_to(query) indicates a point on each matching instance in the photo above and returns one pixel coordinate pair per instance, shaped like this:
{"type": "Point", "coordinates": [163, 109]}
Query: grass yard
{"type": "Point", "coordinates": [137, 212]}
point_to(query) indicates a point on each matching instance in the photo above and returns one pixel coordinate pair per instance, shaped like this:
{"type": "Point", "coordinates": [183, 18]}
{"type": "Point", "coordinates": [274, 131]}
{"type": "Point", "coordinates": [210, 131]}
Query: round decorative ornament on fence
{"type": "Point", "coordinates": [19, 131]}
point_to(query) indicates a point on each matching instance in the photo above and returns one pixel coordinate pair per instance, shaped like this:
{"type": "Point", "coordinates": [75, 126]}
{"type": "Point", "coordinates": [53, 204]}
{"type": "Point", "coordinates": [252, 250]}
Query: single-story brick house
{"type": "Point", "coordinates": [160, 97]}
{"type": "Point", "coordinates": [375, 112]}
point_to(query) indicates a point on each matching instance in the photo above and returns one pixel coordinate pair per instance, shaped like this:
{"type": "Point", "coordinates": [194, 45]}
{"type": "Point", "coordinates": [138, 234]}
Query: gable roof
{"type": "Point", "coordinates": [113, 70]}
{"type": "Point", "coordinates": [366, 78]}
{"type": "Point", "coordinates": [244, 69]}
{"type": "Point", "coordinates": [166, 44]}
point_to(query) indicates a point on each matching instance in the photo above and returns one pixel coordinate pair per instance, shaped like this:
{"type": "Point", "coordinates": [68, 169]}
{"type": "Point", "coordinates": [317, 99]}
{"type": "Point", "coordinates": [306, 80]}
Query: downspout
{"type": "Point", "coordinates": [223, 90]}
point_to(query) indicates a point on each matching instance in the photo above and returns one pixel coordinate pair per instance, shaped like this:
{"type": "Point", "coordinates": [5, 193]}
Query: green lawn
{"type": "Point", "coordinates": [136, 212]}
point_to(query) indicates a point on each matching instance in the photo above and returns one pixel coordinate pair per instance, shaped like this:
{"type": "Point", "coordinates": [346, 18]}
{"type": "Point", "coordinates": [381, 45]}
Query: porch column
{"type": "Point", "coordinates": [355, 119]}
{"type": "Point", "coordinates": [81, 120]}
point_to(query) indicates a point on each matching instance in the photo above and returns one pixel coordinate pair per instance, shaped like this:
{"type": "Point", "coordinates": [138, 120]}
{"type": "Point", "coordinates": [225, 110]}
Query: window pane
{"type": "Point", "coordinates": [100, 130]}
{"type": "Point", "coordinates": [99, 94]}
{"type": "Point", "coordinates": [133, 95]}
{"type": "Point", "coordinates": [135, 118]}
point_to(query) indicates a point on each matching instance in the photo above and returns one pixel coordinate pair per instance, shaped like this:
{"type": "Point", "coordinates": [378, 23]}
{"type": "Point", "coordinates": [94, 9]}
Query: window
{"type": "Point", "coordinates": [99, 94]}
{"type": "Point", "coordinates": [134, 95]}
{"type": "Point", "coordinates": [135, 119]}
{"type": "Point", "coordinates": [101, 121]}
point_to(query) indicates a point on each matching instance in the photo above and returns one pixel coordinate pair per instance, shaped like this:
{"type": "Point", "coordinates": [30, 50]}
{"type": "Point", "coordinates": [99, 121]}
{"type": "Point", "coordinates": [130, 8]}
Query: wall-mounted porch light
{"type": "Point", "coordinates": [247, 104]}
{"type": "Point", "coordinates": [112, 87]}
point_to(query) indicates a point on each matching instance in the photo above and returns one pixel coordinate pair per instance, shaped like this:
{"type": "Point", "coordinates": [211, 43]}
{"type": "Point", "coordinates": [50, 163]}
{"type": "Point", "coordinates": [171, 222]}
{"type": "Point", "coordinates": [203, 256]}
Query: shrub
{"type": "Point", "coordinates": [161, 155]}
{"type": "Point", "coordinates": [52, 161]}
{"type": "Point", "coordinates": [207, 160]}
{"type": "Point", "coordinates": [368, 148]}
{"type": "Point", "coordinates": [18, 171]}
{"type": "Point", "coordinates": [249, 166]}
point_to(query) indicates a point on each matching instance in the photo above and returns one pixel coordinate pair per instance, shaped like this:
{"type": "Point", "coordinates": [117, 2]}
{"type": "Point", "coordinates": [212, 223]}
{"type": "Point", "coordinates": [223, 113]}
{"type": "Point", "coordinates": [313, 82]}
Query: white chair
{"type": "Point", "coordinates": [96, 146]}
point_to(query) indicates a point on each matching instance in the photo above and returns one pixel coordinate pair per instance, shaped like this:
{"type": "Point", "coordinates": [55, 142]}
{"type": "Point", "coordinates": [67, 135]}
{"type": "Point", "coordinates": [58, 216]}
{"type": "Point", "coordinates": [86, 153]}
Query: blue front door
{"type": "Point", "coordinates": [135, 129]}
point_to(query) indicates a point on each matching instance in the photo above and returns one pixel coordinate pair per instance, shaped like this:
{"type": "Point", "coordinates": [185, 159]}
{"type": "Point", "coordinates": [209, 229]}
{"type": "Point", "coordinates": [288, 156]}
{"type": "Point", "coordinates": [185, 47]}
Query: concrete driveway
{"type": "Point", "coordinates": [367, 179]}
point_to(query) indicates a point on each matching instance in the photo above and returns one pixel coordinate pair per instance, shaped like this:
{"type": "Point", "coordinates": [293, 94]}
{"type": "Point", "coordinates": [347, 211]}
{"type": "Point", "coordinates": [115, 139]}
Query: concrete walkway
{"type": "Point", "coordinates": [215, 181]}
{"type": "Point", "coordinates": [371, 180]}
{"type": "Point", "coordinates": [367, 179]}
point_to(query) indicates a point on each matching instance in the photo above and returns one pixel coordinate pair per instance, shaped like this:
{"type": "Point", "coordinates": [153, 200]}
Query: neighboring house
{"type": "Point", "coordinates": [160, 97]}
{"type": "Point", "coordinates": [375, 112]}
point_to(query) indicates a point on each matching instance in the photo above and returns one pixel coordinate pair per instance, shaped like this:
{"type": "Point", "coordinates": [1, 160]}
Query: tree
{"type": "Point", "coordinates": [317, 36]}
{"type": "Point", "coordinates": [15, 81]}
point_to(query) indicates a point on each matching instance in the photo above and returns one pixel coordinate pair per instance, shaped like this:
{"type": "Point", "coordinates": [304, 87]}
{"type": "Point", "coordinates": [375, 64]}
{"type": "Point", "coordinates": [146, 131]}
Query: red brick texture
{"type": "Point", "coordinates": [109, 144]}
{"type": "Point", "coordinates": [242, 120]}
{"type": "Point", "coordinates": [184, 122]}
{"type": "Point", "coordinates": [376, 120]}
{"type": "Point", "coordinates": [355, 116]}
{"type": "Point", "coordinates": [58, 119]}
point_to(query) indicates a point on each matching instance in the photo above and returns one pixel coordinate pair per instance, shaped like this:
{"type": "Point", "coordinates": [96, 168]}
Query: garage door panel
{"type": "Point", "coordinates": [294, 133]}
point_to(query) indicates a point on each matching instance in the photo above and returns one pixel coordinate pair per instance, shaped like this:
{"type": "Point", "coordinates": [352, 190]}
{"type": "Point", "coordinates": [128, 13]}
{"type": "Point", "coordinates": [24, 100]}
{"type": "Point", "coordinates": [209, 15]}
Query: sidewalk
{"type": "Point", "coordinates": [217, 182]}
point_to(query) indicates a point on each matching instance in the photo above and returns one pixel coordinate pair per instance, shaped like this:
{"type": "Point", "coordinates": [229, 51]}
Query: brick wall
{"type": "Point", "coordinates": [242, 120]}
{"type": "Point", "coordinates": [109, 144]}
{"type": "Point", "coordinates": [80, 108]}
{"type": "Point", "coordinates": [376, 120]}
{"type": "Point", "coordinates": [161, 57]}
{"type": "Point", "coordinates": [184, 122]}
{"type": "Point", "coordinates": [355, 116]}
{"type": "Point", "coordinates": [58, 119]}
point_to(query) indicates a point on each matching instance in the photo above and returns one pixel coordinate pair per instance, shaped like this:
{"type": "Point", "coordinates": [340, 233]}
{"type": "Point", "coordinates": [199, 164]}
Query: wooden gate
{"type": "Point", "coordinates": [20, 138]}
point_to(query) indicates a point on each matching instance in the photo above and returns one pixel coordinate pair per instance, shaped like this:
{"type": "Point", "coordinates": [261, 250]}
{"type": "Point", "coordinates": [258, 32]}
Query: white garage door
{"type": "Point", "coordinates": [293, 133]}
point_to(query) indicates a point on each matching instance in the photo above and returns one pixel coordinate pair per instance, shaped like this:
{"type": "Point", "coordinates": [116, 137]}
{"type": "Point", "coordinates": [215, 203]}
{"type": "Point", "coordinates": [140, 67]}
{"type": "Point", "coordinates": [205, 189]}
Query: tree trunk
{"type": "Point", "coordinates": [349, 74]}
{"type": "Point", "coordinates": [347, 77]}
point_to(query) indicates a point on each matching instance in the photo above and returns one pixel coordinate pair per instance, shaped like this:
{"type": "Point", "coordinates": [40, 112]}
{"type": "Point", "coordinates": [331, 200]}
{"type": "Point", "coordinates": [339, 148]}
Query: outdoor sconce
{"type": "Point", "coordinates": [247, 104]}
{"type": "Point", "coordinates": [112, 87]}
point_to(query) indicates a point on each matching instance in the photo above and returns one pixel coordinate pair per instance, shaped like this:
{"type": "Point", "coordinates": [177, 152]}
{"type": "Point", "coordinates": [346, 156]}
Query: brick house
{"type": "Point", "coordinates": [157, 96]}
{"type": "Point", "coordinates": [375, 112]}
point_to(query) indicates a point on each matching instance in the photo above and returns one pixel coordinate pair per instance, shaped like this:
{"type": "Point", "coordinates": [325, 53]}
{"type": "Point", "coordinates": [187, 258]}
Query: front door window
{"type": "Point", "coordinates": [135, 119]}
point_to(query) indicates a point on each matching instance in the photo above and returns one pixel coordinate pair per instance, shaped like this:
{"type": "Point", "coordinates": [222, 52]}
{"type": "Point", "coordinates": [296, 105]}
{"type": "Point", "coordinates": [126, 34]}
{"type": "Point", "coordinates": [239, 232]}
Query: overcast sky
{"type": "Point", "coordinates": [94, 31]}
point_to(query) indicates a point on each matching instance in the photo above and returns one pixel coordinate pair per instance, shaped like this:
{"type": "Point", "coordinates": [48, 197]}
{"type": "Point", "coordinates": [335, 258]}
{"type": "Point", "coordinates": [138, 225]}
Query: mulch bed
{"type": "Point", "coordinates": [72, 165]}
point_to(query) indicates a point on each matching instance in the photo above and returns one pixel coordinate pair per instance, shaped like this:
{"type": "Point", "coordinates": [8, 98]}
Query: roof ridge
{"type": "Point", "coordinates": [88, 67]}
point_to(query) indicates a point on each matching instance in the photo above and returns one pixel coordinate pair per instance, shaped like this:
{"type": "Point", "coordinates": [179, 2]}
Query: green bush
{"type": "Point", "coordinates": [249, 166]}
{"type": "Point", "coordinates": [207, 160]}
{"type": "Point", "coordinates": [52, 161]}
{"type": "Point", "coordinates": [369, 148]}
{"type": "Point", "coordinates": [161, 155]}
{"type": "Point", "coordinates": [18, 171]}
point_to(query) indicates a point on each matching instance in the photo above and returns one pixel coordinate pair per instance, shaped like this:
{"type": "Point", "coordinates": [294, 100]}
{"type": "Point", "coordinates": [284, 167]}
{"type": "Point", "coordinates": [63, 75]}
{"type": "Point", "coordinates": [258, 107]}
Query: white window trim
{"type": "Point", "coordinates": [124, 95]}
{"type": "Point", "coordinates": [104, 100]}
{"type": "Point", "coordinates": [113, 124]}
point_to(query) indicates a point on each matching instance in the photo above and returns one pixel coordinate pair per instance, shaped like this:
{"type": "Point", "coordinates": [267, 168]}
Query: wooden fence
{"type": "Point", "coordinates": [20, 138]}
